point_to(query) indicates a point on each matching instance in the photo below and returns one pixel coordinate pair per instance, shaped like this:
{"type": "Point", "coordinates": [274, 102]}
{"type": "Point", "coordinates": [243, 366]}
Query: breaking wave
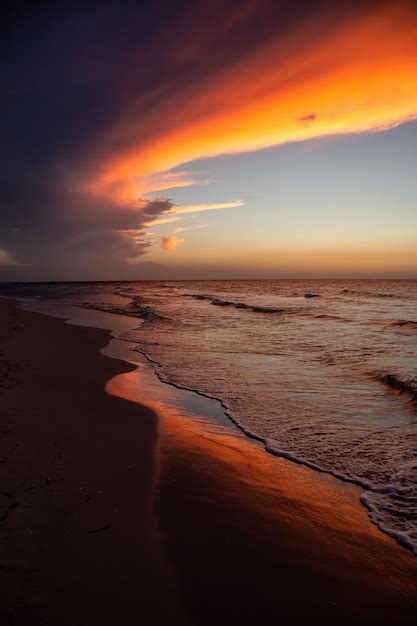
{"type": "Point", "coordinates": [140, 311]}
{"type": "Point", "coordinates": [404, 388]}
{"type": "Point", "coordinates": [405, 324]}
{"type": "Point", "coordinates": [236, 305]}
{"type": "Point", "coordinates": [372, 294]}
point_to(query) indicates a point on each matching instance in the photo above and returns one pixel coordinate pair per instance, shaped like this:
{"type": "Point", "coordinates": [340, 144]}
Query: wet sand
{"type": "Point", "coordinates": [193, 524]}
{"type": "Point", "coordinates": [254, 536]}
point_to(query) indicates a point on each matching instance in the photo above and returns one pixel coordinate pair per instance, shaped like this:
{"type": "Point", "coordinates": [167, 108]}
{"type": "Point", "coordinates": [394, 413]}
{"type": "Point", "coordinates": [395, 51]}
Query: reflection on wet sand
{"type": "Point", "coordinates": [259, 532]}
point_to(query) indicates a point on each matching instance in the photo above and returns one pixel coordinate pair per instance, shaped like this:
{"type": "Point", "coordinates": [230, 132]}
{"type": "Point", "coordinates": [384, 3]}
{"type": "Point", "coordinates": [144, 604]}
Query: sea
{"type": "Point", "coordinates": [322, 372]}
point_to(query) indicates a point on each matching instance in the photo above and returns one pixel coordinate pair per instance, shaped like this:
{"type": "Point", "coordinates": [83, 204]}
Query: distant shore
{"type": "Point", "coordinates": [115, 513]}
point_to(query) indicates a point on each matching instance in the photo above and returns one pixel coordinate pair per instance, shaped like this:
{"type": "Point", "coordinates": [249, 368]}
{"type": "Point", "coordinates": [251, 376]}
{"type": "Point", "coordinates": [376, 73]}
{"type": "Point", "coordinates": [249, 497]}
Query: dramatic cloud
{"type": "Point", "coordinates": [99, 105]}
{"type": "Point", "coordinates": [355, 69]}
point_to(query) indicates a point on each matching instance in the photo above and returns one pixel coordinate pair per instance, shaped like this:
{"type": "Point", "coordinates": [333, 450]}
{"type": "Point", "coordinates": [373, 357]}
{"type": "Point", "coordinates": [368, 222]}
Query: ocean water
{"type": "Point", "coordinates": [322, 372]}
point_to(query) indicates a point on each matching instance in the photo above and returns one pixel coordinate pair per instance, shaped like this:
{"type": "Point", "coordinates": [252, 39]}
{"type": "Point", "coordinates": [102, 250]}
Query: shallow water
{"type": "Point", "coordinates": [324, 372]}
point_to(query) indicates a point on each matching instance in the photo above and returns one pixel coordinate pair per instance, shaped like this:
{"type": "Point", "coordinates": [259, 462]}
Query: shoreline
{"type": "Point", "coordinates": [297, 525]}
{"type": "Point", "coordinates": [282, 454]}
{"type": "Point", "coordinates": [237, 530]}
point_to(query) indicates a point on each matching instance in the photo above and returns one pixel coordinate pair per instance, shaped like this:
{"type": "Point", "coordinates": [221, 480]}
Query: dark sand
{"type": "Point", "coordinates": [196, 528]}
{"type": "Point", "coordinates": [75, 460]}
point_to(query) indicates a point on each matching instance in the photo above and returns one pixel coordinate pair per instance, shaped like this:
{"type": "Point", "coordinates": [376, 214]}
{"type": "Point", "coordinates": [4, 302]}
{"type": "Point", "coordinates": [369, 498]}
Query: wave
{"type": "Point", "coordinates": [236, 305]}
{"type": "Point", "coordinates": [405, 324]}
{"type": "Point", "coordinates": [218, 302]}
{"type": "Point", "coordinates": [372, 294]}
{"type": "Point", "coordinates": [126, 292]}
{"type": "Point", "coordinates": [133, 310]}
{"type": "Point", "coordinates": [406, 388]}
{"type": "Point", "coordinates": [302, 312]}
{"type": "Point", "coordinates": [249, 307]}
{"type": "Point", "coordinates": [376, 502]}
{"type": "Point", "coordinates": [198, 296]}
{"type": "Point", "coordinates": [324, 316]}
{"type": "Point", "coordinates": [267, 309]}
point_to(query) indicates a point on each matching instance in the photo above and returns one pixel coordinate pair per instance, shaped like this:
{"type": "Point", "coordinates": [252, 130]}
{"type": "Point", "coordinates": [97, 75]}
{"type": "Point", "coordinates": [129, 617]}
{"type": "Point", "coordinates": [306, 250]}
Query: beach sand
{"type": "Point", "coordinates": [113, 512]}
{"type": "Point", "coordinates": [74, 461]}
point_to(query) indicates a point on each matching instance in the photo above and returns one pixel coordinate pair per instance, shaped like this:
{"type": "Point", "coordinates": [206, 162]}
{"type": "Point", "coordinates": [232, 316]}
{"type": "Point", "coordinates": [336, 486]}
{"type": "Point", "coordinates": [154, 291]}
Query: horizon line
{"type": "Point", "coordinates": [149, 280]}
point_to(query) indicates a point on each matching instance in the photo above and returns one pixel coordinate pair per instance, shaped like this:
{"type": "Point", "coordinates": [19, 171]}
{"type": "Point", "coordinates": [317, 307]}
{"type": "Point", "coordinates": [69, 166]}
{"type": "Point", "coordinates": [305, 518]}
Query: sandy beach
{"type": "Point", "coordinates": [117, 512]}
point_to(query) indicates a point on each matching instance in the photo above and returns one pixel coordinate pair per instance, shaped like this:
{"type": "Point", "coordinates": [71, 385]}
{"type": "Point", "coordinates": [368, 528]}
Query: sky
{"type": "Point", "coordinates": [221, 139]}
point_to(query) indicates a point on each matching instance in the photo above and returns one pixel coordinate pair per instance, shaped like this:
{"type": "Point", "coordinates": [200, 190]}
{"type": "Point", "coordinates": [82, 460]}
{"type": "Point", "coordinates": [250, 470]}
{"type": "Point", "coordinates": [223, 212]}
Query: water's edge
{"type": "Point", "coordinates": [400, 538]}
{"type": "Point", "coordinates": [97, 319]}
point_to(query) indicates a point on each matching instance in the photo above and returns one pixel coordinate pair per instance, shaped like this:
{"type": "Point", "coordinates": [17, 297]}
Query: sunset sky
{"type": "Point", "coordinates": [212, 139]}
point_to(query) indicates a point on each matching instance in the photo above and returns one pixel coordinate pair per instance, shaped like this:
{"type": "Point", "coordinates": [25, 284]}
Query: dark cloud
{"type": "Point", "coordinates": [47, 226]}
{"type": "Point", "coordinates": [66, 79]}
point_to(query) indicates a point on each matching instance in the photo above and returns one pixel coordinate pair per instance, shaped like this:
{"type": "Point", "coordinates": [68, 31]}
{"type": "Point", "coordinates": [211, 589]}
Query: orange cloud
{"type": "Point", "coordinates": [198, 208]}
{"type": "Point", "coordinates": [191, 208]}
{"type": "Point", "coordinates": [168, 180]}
{"type": "Point", "coordinates": [170, 243]}
{"type": "Point", "coordinates": [332, 74]}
